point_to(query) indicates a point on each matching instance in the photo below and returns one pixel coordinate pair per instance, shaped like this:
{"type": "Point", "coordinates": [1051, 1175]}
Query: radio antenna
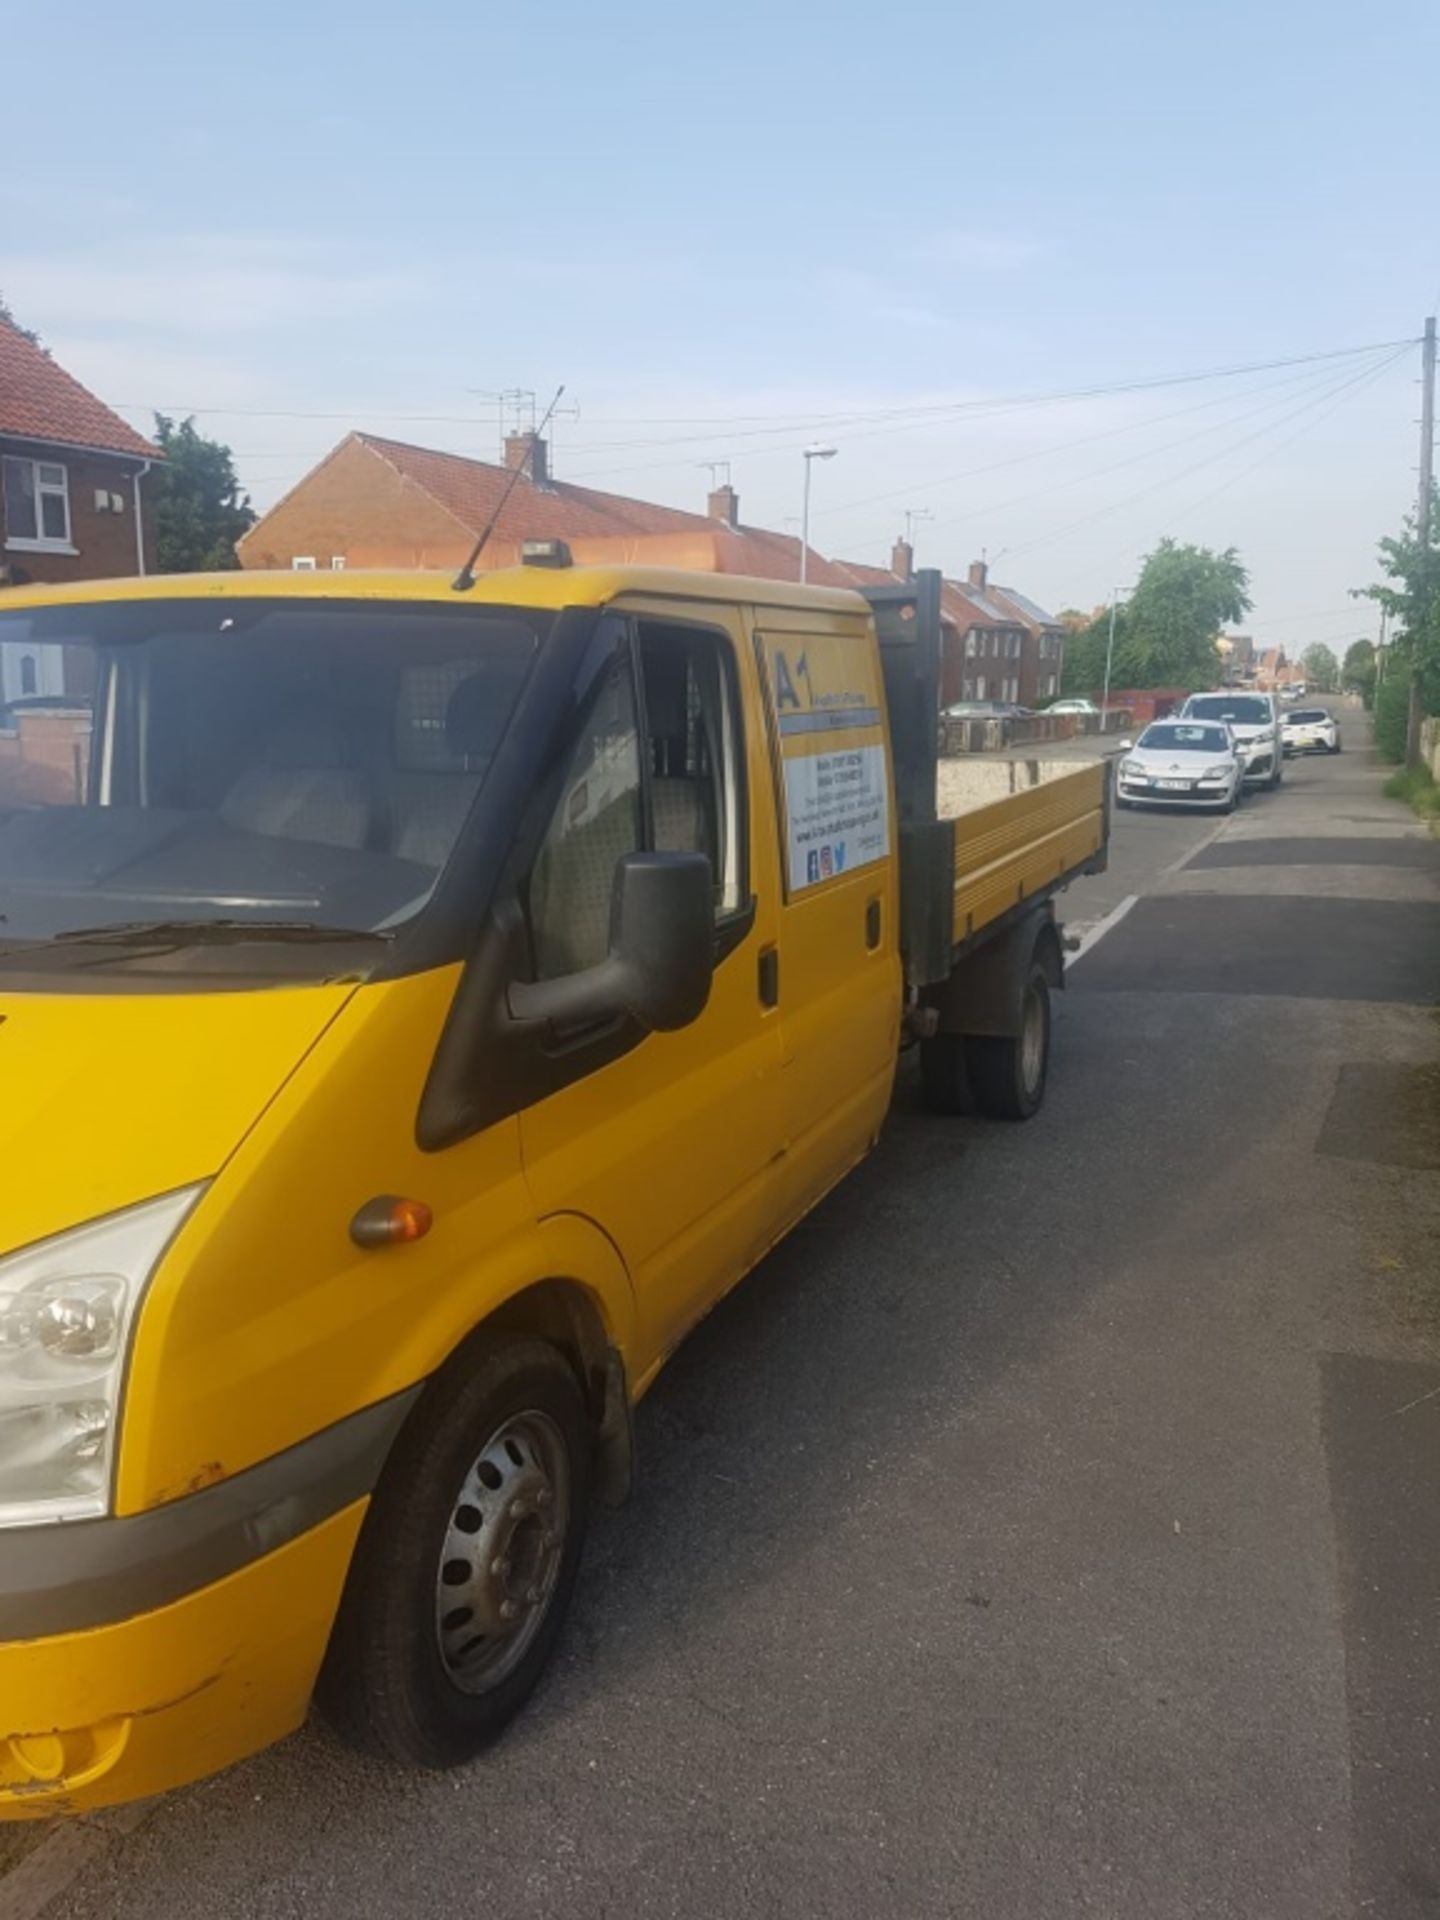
{"type": "Point", "coordinates": [465, 578]}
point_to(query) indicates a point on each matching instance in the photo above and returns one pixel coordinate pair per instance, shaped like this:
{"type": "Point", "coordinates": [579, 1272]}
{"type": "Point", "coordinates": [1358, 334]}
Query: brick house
{"type": "Point", "coordinates": [374, 502]}
{"type": "Point", "coordinates": [985, 647]}
{"type": "Point", "coordinates": [1042, 654]}
{"type": "Point", "coordinates": [72, 505]}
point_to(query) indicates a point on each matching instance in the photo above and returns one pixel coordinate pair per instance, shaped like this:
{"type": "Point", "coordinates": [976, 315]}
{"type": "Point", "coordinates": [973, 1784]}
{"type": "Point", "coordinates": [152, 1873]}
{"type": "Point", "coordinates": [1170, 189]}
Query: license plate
{"type": "Point", "coordinates": [1175, 786]}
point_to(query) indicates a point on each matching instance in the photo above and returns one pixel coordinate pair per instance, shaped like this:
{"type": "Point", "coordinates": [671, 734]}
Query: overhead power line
{"type": "Point", "coordinates": [783, 423]}
{"type": "Point", "coordinates": [1224, 453]}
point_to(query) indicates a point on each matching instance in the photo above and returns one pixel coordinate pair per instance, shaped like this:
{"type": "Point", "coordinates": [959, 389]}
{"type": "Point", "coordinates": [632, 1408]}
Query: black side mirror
{"type": "Point", "coordinates": [662, 951]}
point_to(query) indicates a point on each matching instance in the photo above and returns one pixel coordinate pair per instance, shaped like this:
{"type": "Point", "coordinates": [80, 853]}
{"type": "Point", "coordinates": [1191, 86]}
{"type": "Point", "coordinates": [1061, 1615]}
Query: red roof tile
{"type": "Point", "coordinates": [598, 525]}
{"type": "Point", "coordinates": [40, 401]}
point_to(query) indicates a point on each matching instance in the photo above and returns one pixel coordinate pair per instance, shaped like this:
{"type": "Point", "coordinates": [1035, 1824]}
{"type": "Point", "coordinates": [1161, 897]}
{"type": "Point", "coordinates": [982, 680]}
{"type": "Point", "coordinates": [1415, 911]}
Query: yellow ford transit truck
{"type": "Point", "coordinates": [420, 1001]}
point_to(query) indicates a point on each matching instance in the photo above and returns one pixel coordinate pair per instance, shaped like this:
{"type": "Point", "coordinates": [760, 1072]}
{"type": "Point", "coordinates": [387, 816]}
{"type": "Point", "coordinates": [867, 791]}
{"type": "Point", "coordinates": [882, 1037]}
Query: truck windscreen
{"type": "Point", "coordinates": [242, 768]}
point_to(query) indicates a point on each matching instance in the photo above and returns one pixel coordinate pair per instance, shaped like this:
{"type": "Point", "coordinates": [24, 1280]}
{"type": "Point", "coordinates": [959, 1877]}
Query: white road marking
{"type": "Point", "coordinates": [1101, 927]}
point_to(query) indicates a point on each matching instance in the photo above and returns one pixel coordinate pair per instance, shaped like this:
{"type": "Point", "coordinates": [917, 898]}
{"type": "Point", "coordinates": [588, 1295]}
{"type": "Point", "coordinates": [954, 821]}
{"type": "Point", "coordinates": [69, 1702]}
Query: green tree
{"type": "Point", "coordinates": [1392, 711]}
{"type": "Point", "coordinates": [1322, 669]}
{"type": "Point", "coordinates": [1410, 595]}
{"type": "Point", "coordinates": [200, 508]}
{"type": "Point", "coordinates": [1165, 633]}
{"type": "Point", "coordinates": [1357, 674]}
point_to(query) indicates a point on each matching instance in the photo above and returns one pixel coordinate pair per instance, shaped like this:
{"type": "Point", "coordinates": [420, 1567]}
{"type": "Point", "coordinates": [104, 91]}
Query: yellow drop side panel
{"type": "Point", "coordinates": [834, 812]}
{"type": "Point", "coordinates": [1009, 850]}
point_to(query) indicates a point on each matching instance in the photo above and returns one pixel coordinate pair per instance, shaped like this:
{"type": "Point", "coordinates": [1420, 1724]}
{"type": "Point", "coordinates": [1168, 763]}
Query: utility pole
{"type": "Point", "coordinates": [1422, 520]}
{"type": "Point", "coordinates": [1109, 656]}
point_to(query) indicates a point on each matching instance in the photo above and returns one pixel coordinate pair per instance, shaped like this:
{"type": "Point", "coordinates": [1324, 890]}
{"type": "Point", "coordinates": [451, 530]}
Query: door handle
{"type": "Point", "coordinates": [769, 977]}
{"type": "Point", "coordinates": [872, 924]}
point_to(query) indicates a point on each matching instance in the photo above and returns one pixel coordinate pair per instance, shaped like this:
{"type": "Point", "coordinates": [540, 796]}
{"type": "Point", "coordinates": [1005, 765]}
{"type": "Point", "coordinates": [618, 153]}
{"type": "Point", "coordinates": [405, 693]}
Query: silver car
{"type": "Point", "coordinates": [1254, 718]}
{"type": "Point", "coordinates": [1184, 763]}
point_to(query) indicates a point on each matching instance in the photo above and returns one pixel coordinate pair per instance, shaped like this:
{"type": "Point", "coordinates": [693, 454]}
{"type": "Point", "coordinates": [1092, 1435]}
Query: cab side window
{"type": "Point", "coordinates": [694, 753]}
{"type": "Point", "coordinates": [596, 822]}
{"type": "Point", "coordinates": [676, 788]}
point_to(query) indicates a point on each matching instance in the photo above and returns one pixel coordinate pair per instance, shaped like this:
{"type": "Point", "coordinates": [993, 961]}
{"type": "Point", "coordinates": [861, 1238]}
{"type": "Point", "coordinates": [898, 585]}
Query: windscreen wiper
{"type": "Point", "coordinates": [141, 933]}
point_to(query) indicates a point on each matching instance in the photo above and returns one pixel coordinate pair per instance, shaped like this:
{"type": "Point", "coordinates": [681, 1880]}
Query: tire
{"type": "Point", "coordinates": [1007, 1074]}
{"type": "Point", "coordinates": [943, 1079]}
{"type": "Point", "coordinates": [491, 1479]}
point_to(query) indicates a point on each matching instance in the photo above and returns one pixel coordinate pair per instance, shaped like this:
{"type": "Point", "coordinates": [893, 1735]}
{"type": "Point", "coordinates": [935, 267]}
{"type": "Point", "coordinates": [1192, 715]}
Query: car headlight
{"type": "Point", "coordinates": [1216, 773]}
{"type": "Point", "coordinates": [67, 1307]}
{"type": "Point", "coordinates": [1132, 769]}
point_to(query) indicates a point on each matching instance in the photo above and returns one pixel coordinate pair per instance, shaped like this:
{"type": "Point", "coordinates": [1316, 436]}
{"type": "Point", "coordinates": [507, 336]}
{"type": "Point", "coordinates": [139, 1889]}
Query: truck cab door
{"type": "Point", "coordinates": [671, 1145]}
{"type": "Point", "coordinates": [839, 968]}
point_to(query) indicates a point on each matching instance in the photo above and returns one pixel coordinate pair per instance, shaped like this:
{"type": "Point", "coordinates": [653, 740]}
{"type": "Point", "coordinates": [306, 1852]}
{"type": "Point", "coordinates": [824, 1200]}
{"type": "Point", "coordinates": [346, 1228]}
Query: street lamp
{"type": "Point", "coordinates": [811, 454]}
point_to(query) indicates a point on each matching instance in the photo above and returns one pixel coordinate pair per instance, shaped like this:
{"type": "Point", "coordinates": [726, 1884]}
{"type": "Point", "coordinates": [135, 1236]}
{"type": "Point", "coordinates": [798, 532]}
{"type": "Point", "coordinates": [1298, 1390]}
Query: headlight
{"type": "Point", "coordinates": [1132, 769]}
{"type": "Point", "coordinates": [67, 1306]}
{"type": "Point", "coordinates": [1216, 773]}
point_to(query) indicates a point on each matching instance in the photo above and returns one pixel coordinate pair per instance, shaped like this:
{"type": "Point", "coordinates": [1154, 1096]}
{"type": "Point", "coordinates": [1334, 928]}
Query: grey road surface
{"type": "Point", "coordinates": [1047, 1529]}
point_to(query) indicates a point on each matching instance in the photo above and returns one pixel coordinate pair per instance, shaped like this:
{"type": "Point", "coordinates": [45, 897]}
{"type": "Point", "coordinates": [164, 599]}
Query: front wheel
{"type": "Point", "coordinates": [466, 1561]}
{"type": "Point", "coordinates": [1007, 1073]}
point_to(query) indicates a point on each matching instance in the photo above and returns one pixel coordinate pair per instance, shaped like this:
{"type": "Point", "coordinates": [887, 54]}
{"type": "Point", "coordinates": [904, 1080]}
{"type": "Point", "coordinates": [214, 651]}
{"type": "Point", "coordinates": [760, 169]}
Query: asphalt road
{"type": "Point", "coordinates": [1047, 1529]}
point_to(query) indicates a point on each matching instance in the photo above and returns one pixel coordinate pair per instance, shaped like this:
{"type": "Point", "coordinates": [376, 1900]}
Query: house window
{"type": "Point", "coordinates": [28, 680]}
{"type": "Point", "coordinates": [967, 688]}
{"type": "Point", "coordinates": [37, 503]}
{"type": "Point", "coordinates": [980, 688]}
{"type": "Point", "coordinates": [970, 645]}
{"type": "Point", "coordinates": [303, 563]}
{"type": "Point", "coordinates": [337, 563]}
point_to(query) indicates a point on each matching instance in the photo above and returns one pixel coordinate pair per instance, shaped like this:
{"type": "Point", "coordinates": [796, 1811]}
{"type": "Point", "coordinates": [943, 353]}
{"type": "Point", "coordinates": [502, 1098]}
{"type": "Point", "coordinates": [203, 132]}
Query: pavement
{"type": "Point", "coordinates": [1047, 1528]}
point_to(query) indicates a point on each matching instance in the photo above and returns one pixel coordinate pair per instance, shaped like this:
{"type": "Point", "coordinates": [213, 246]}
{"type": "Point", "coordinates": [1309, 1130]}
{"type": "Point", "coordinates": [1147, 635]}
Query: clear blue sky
{"type": "Point", "coordinates": [721, 225]}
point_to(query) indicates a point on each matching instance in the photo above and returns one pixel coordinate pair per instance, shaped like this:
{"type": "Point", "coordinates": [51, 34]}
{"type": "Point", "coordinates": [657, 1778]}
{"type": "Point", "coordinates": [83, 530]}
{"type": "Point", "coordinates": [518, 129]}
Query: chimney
{"type": "Point", "coordinates": [902, 560]}
{"type": "Point", "coordinates": [979, 574]}
{"type": "Point", "coordinates": [724, 505]}
{"type": "Point", "coordinates": [529, 451]}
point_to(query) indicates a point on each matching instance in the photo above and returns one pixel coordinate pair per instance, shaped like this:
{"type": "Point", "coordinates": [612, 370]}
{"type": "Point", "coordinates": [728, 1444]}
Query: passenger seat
{"type": "Point", "coordinates": [305, 788]}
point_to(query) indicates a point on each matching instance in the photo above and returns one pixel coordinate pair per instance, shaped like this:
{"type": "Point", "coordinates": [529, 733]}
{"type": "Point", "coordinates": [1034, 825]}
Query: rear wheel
{"type": "Point", "coordinates": [466, 1562]}
{"type": "Point", "coordinates": [1007, 1073]}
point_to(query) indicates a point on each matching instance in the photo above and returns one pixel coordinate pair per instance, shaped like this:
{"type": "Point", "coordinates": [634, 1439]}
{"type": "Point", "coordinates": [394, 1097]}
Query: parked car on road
{"type": "Point", "coordinates": [1254, 718]}
{"type": "Point", "coordinates": [1072, 706]}
{"type": "Point", "coordinates": [1182, 763]}
{"type": "Point", "coordinates": [987, 710]}
{"type": "Point", "coordinates": [1309, 730]}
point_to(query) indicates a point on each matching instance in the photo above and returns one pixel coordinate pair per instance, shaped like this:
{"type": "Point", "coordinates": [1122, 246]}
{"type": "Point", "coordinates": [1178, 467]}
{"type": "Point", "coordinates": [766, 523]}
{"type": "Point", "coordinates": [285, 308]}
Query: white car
{"type": "Point", "coordinates": [1072, 706]}
{"type": "Point", "coordinates": [1254, 718]}
{"type": "Point", "coordinates": [1185, 763]}
{"type": "Point", "coordinates": [1310, 730]}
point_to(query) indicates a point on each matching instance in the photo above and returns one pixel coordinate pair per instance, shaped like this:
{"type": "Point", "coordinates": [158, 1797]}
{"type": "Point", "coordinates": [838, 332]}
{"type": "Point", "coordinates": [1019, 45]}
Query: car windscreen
{"type": "Point", "coordinates": [1178, 737]}
{"type": "Point", "coordinates": [1247, 710]}
{"type": "Point", "coordinates": [282, 768]}
{"type": "Point", "coordinates": [1307, 719]}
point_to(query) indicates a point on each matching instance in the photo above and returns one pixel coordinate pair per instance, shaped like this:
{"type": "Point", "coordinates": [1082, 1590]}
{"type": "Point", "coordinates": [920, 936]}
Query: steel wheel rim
{"type": "Point", "coordinates": [502, 1553]}
{"type": "Point", "coordinates": [1032, 1041]}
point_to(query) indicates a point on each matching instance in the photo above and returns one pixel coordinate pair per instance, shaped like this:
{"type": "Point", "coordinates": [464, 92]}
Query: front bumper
{"type": "Point", "coordinates": [1260, 764]}
{"type": "Point", "coordinates": [145, 1650]}
{"type": "Point", "coordinates": [1152, 796]}
{"type": "Point", "coordinates": [120, 1712]}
